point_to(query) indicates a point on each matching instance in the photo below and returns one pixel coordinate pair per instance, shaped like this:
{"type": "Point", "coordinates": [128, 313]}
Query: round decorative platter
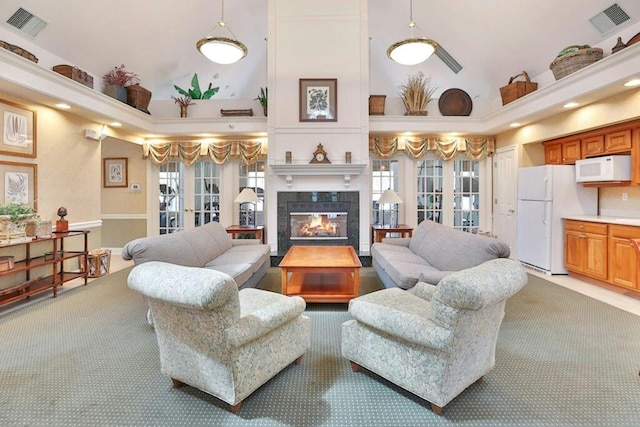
{"type": "Point", "coordinates": [455, 102]}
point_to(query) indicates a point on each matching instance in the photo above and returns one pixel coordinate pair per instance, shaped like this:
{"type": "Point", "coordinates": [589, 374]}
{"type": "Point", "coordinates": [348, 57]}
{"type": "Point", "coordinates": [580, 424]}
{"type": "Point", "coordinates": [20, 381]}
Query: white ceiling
{"type": "Point", "coordinates": [492, 39]}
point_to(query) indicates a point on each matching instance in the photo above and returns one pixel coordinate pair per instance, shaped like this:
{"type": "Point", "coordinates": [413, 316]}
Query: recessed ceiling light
{"type": "Point", "coordinates": [514, 125]}
{"type": "Point", "coordinates": [570, 105]}
{"type": "Point", "coordinates": [633, 83]}
{"type": "Point", "coordinates": [116, 124]}
{"type": "Point", "coordinates": [63, 106]}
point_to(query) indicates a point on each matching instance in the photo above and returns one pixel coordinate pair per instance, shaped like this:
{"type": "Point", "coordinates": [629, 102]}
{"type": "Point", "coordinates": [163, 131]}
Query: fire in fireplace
{"type": "Point", "coordinates": [318, 226]}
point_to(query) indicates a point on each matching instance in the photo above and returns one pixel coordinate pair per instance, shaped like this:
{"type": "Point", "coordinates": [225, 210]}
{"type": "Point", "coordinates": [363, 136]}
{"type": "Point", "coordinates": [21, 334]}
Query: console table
{"type": "Point", "coordinates": [256, 230]}
{"type": "Point", "coordinates": [42, 265]}
{"type": "Point", "coordinates": [378, 232]}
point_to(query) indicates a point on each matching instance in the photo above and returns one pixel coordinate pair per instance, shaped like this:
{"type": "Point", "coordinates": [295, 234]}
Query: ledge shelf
{"type": "Point", "coordinates": [300, 169]}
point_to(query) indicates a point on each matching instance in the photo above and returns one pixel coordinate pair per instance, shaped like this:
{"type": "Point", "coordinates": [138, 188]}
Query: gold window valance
{"type": "Point", "coordinates": [444, 148]}
{"type": "Point", "coordinates": [190, 152]}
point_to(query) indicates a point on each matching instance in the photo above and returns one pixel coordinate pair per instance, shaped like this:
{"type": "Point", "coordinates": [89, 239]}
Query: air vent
{"type": "Point", "coordinates": [610, 18]}
{"type": "Point", "coordinates": [448, 59]}
{"type": "Point", "coordinates": [26, 22]}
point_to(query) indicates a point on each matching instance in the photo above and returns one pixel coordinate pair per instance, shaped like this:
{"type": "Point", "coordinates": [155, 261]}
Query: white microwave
{"type": "Point", "coordinates": [604, 169]}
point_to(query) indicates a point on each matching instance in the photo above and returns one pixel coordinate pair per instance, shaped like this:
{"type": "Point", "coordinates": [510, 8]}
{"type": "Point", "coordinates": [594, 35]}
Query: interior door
{"type": "Point", "coordinates": [505, 196]}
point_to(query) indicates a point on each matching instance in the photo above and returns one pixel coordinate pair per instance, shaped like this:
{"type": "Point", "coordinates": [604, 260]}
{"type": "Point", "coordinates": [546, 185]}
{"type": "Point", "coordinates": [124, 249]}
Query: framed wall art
{"type": "Point", "coordinates": [17, 130]}
{"type": "Point", "coordinates": [318, 100]}
{"type": "Point", "coordinates": [115, 172]}
{"type": "Point", "coordinates": [18, 183]}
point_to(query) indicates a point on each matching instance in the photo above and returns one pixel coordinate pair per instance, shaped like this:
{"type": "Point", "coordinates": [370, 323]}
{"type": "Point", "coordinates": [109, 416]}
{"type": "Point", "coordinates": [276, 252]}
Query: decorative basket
{"type": "Point", "coordinates": [18, 51]}
{"type": "Point", "coordinates": [571, 62]}
{"type": "Point", "coordinates": [376, 105]}
{"type": "Point", "coordinates": [138, 97]}
{"type": "Point", "coordinates": [75, 74]}
{"type": "Point", "coordinates": [515, 90]}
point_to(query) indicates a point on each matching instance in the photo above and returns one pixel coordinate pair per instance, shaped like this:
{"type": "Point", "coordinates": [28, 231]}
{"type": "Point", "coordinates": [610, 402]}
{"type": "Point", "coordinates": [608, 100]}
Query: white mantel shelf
{"type": "Point", "coordinates": [306, 169]}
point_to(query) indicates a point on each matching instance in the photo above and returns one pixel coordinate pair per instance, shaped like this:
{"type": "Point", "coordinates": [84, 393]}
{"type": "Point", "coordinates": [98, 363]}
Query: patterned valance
{"type": "Point", "coordinates": [190, 152]}
{"type": "Point", "coordinates": [444, 148]}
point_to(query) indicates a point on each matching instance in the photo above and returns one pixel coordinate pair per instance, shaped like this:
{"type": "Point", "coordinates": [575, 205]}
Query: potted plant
{"type": "Point", "coordinates": [116, 81]}
{"type": "Point", "coordinates": [194, 92]}
{"type": "Point", "coordinates": [263, 98]}
{"type": "Point", "coordinates": [14, 217]}
{"type": "Point", "coordinates": [416, 94]}
{"type": "Point", "coordinates": [184, 101]}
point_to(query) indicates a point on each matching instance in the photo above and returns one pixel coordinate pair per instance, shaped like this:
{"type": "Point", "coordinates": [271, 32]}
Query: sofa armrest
{"type": "Point", "coordinates": [265, 319]}
{"type": "Point", "coordinates": [241, 242]}
{"type": "Point", "coordinates": [398, 241]}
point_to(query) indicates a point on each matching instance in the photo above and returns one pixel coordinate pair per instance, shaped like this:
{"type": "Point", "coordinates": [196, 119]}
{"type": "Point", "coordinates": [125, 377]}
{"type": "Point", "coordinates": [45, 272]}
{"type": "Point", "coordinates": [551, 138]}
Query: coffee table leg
{"type": "Point", "coordinates": [284, 280]}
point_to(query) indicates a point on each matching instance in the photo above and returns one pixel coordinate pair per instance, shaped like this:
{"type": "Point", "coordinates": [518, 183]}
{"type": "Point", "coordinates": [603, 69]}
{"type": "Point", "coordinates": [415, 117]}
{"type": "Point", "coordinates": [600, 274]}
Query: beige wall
{"type": "Point", "coordinates": [616, 109]}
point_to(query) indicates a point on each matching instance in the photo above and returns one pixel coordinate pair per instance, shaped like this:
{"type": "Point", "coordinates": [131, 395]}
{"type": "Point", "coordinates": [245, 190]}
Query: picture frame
{"type": "Point", "coordinates": [17, 130]}
{"type": "Point", "coordinates": [318, 100]}
{"type": "Point", "coordinates": [19, 183]}
{"type": "Point", "coordinates": [115, 173]}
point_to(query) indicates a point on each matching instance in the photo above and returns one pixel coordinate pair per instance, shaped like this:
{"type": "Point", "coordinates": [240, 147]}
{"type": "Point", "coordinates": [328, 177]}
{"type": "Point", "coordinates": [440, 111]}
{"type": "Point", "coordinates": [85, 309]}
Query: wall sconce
{"type": "Point", "coordinates": [95, 135]}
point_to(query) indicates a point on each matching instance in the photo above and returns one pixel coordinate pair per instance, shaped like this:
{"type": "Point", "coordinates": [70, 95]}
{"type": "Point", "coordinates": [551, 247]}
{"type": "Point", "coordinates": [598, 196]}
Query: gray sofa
{"type": "Point", "coordinates": [432, 253]}
{"type": "Point", "coordinates": [208, 246]}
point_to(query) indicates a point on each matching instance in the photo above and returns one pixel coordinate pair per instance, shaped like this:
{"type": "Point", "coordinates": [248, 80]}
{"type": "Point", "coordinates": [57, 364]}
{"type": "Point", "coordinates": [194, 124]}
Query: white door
{"type": "Point", "coordinates": [505, 197]}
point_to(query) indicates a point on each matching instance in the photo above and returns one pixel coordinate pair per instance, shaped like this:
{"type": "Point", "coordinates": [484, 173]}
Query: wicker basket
{"type": "Point", "coordinates": [515, 90]}
{"type": "Point", "coordinates": [138, 97]}
{"type": "Point", "coordinates": [574, 61]}
{"type": "Point", "coordinates": [376, 105]}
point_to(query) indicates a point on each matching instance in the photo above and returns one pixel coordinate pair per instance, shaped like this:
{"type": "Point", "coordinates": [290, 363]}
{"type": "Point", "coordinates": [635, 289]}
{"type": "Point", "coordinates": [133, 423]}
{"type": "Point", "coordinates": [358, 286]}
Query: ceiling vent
{"type": "Point", "coordinates": [609, 19]}
{"type": "Point", "coordinates": [448, 59]}
{"type": "Point", "coordinates": [26, 22]}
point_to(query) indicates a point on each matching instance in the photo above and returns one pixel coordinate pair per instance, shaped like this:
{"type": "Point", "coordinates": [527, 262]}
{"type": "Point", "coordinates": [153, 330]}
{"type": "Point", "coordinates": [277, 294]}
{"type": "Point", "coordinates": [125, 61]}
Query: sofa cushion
{"type": "Point", "coordinates": [448, 249]}
{"type": "Point", "coordinates": [192, 247]}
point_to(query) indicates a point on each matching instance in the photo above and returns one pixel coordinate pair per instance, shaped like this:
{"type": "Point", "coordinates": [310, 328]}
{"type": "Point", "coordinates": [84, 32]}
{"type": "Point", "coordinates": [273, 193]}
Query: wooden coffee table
{"type": "Point", "coordinates": [321, 273]}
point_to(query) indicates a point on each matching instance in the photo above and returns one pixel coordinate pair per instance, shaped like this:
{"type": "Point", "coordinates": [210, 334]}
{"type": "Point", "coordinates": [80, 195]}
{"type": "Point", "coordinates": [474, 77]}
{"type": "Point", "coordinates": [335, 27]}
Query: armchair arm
{"type": "Point", "coordinates": [275, 311]}
{"type": "Point", "coordinates": [424, 290]}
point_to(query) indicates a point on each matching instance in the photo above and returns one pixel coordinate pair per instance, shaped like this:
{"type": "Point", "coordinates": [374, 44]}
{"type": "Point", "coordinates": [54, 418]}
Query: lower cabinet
{"type": "Point", "coordinates": [585, 250]}
{"type": "Point", "coordinates": [603, 252]}
{"type": "Point", "coordinates": [624, 263]}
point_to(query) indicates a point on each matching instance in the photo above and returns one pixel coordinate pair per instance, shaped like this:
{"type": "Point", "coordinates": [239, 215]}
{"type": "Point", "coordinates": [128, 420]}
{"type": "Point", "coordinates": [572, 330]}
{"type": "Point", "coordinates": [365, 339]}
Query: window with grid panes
{"type": "Point", "coordinates": [252, 176]}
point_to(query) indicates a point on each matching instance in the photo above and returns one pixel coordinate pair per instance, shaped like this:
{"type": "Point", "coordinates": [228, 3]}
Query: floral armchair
{"type": "Point", "coordinates": [440, 340]}
{"type": "Point", "coordinates": [215, 338]}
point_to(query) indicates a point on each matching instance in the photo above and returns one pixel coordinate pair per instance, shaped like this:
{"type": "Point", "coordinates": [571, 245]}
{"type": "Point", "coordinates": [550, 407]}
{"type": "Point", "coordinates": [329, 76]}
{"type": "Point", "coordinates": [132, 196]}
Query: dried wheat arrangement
{"type": "Point", "coordinates": [416, 94]}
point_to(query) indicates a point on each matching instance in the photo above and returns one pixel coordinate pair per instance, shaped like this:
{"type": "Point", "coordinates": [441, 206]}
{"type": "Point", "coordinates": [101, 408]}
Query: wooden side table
{"type": "Point", "coordinates": [378, 232]}
{"type": "Point", "coordinates": [256, 230]}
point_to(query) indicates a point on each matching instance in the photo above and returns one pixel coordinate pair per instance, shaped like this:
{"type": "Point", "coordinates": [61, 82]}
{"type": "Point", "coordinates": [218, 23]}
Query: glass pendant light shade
{"type": "Point", "coordinates": [412, 51]}
{"type": "Point", "coordinates": [223, 48]}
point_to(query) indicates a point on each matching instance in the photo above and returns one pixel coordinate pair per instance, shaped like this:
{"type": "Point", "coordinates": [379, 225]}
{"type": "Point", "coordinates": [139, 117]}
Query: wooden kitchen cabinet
{"type": "Point", "coordinates": [562, 152]}
{"type": "Point", "coordinates": [585, 250]}
{"type": "Point", "coordinates": [593, 146]}
{"type": "Point", "coordinates": [617, 142]}
{"type": "Point", "coordinates": [623, 262]}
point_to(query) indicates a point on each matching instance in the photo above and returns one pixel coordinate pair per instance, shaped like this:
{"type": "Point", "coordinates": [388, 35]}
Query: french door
{"type": "Point", "coordinates": [189, 196]}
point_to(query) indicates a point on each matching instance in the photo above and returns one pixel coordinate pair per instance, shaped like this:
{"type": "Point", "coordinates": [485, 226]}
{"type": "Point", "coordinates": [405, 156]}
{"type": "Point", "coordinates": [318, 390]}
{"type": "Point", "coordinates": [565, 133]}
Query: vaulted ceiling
{"type": "Point", "coordinates": [492, 39]}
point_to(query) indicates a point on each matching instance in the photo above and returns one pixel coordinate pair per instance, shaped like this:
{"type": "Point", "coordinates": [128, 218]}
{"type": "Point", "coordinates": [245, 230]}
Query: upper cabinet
{"type": "Point", "coordinates": [562, 151]}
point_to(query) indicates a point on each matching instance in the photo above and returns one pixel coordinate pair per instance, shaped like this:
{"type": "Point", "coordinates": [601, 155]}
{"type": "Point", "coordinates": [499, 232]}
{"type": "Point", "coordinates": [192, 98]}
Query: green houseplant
{"type": "Point", "coordinates": [194, 92]}
{"type": "Point", "coordinates": [263, 98]}
{"type": "Point", "coordinates": [14, 217]}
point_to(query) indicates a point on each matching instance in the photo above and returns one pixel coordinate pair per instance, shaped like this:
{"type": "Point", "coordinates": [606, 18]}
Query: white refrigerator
{"type": "Point", "coordinates": [546, 194]}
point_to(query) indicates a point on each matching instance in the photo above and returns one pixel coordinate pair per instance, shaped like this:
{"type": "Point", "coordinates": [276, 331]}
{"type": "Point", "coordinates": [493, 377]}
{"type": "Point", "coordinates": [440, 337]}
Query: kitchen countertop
{"type": "Point", "coordinates": [607, 220]}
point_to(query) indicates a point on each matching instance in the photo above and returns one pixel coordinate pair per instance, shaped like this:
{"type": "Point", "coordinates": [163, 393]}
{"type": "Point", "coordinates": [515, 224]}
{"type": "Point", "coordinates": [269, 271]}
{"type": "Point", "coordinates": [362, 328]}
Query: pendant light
{"type": "Point", "coordinates": [222, 48]}
{"type": "Point", "coordinates": [413, 50]}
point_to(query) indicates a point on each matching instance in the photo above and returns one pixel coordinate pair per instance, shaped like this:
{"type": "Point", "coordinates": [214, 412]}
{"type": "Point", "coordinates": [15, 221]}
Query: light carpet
{"type": "Point", "coordinates": [88, 358]}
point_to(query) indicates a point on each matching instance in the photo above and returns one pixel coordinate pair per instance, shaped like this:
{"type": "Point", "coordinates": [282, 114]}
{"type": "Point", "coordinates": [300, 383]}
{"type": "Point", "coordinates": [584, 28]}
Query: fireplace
{"type": "Point", "coordinates": [317, 218]}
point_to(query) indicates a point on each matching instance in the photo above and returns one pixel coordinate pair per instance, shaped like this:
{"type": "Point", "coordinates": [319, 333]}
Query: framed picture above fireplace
{"type": "Point", "coordinates": [318, 100]}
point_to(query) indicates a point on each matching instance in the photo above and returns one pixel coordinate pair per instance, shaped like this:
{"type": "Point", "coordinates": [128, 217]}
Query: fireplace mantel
{"type": "Point", "coordinates": [293, 169]}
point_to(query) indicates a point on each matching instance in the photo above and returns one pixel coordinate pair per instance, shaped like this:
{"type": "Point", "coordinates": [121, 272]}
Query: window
{"type": "Point", "coordinates": [466, 195]}
{"type": "Point", "coordinates": [384, 177]}
{"type": "Point", "coordinates": [252, 176]}
{"type": "Point", "coordinates": [207, 193]}
{"type": "Point", "coordinates": [430, 190]}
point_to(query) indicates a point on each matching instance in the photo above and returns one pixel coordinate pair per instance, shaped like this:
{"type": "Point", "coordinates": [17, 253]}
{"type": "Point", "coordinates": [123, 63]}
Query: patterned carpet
{"type": "Point", "coordinates": [88, 358]}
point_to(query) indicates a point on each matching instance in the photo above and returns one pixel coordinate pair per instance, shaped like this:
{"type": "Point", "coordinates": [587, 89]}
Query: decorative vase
{"type": "Point", "coordinates": [265, 111]}
{"type": "Point", "coordinates": [116, 92]}
{"type": "Point", "coordinates": [183, 111]}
